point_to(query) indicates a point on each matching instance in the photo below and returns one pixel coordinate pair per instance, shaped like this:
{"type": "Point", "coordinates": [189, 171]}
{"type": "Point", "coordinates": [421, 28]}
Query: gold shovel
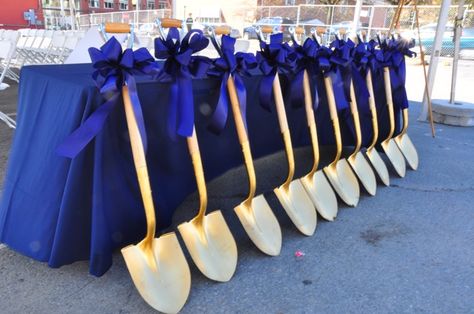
{"type": "Point", "coordinates": [315, 182]}
{"type": "Point", "coordinates": [254, 213]}
{"type": "Point", "coordinates": [405, 144]}
{"type": "Point", "coordinates": [339, 172]}
{"type": "Point", "coordinates": [389, 146]}
{"type": "Point", "coordinates": [157, 265]}
{"type": "Point", "coordinates": [292, 194]}
{"type": "Point", "coordinates": [371, 152]}
{"type": "Point", "coordinates": [357, 160]}
{"type": "Point", "coordinates": [207, 237]}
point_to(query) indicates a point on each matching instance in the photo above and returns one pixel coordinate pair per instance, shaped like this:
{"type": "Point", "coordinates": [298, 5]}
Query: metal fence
{"type": "Point", "coordinates": [141, 18]}
{"type": "Point", "coordinates": [373, 19]}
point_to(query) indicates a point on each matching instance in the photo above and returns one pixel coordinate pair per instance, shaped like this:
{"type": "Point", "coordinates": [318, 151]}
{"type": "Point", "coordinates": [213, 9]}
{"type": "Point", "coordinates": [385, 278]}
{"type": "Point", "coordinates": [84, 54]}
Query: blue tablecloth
{"type": "Point", "coordinates": [59, 211]}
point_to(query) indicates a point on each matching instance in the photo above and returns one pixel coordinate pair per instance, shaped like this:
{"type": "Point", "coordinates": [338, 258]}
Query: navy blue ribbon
{"type": "Point", "coordinates": [180, 68]}
{"type": "Point", "coordinates": [113, 70]}
{"type": "Point", "coordinates": [342, 59]}
{"type": "Point", "coordinates": [237, 65]}
{"type": "Point", "coordinates": [360, 64]}
{"type": "Point", "coordinates": [273, 58]}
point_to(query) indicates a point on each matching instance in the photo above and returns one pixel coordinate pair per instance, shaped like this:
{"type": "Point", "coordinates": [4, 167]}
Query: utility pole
{"type": "Point", "coordinates": [457, 38]}
{"type": "Point", "coordinates": [441, 27]}
{"type": "Point", "coordinates": [355, 22]}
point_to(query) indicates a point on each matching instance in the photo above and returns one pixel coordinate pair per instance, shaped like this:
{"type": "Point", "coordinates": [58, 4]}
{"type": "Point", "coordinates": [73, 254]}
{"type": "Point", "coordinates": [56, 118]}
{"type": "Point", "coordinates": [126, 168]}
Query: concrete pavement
{"type": "Point", "coordinates": [408, 249]}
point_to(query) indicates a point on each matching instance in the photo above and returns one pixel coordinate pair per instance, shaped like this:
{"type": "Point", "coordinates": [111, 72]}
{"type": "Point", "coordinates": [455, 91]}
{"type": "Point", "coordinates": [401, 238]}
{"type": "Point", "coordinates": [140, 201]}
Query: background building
{"type": "Point", "coordinates": [12, 14]}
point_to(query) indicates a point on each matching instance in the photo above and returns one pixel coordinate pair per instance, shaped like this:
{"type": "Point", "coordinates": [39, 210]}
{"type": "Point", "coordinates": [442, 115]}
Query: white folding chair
{"type": "Point", "coordinates": [7, 49]}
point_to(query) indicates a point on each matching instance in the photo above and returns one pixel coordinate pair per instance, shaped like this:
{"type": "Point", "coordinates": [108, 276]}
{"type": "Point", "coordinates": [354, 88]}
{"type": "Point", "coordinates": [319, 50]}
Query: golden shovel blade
{"type": "Point", "coordinates": [344, 181]}
{"type": "Point", "coordinates": [378, 165]}
{"type": "Point", "coordinates": [261, 225]}
{"type": "Point", "coordinates": [321, 194]}
{"type": "Point", "coordinates": [161, 273]}
{"type": "Point", "coordinates": [211, 246]}
{"type": "Point", "coordinates": [408, 149]}
{"type": "Point", "coordinates": [395, 156]}
{"type": "Point", "coordinates": [364, 172]}
{"type": "Point", "coordinates": [298, 206]}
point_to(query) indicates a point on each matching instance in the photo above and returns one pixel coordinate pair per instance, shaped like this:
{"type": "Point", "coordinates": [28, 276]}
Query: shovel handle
{"type": "Point", "coordinates": [140, 166]}
{"type": "Point", "coordinates": [167, 23]}
{"type": "Point", "coordinates": [388, 95]}
{"type": "Point", "coordinates": [373, 110]}
{"type": "Point", "coordinates": [222, 30]}
{"type": "Point", "coordinates": [243, 138]}
{"type": "Point", "coordinates": [308, 103]}
{"type": "Point", "coordinates": [117, 28]}
{"type": "Point", "coordinates": [334, 117]}
{"type": "Point", "coordinates": [193, 147]}
{"type": "Point", "coordinates": [285, 131]}
{"type": "Point", "coordinates": [355, 117]}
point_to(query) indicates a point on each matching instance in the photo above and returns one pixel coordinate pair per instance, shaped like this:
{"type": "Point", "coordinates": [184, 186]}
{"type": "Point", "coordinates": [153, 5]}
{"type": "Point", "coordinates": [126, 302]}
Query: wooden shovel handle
{"type": "Point", "coordinates": [285, 131]}
{"type": "Point", "coordinates": [139, 159]}
{"type": "Point", "coordinates": [267, 29]}
{"type": "Point", "coordinates": [116, 28]}
{"type": "Point", "coordinates": [222, 30]}
{"type": "Point", "coordinates": [388, 95]}
{"type": "Point", "coordinates": [280, 105]}
{"type": "Point", "coordinates": [373, 111]}
{"type": "Point", "coordinates": [243, 138]}
{"type": "Point", "coordinates": [193, 147]}
{"type": "Point", "coordinates": [299, 30]}
{"type": "Point", "coordinates": [334, 117]}
{"type": "Point", "coordinates": [167, 23]}
{"type": "Point", "coordinates": [356, 120]}
{"type": "Point", "coordinates": [308, 103]}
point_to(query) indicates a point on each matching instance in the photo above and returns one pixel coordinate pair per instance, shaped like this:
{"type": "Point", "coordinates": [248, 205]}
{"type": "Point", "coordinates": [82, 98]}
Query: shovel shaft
{"type": "Point", "coordinates": [285, 131]}
{"type": "Point", "coordinates": [388, 95]}
{"type": "Point", "coordinates": [308, 103]}
{"type": "Point", "coordinates": [405, 123]}
{"type": "Point", "coordinates": [193, 147]}
{"type": "Point", "coordinates": [355, 117]}
{"type": "Point", "coordinates": [334, 117]}
{"type": "Point", "coordinates": [243, 138]}
{"type": "Point", "coordinates": [373, 111]}
{"type": "Point", "coordinates": [140, 165]}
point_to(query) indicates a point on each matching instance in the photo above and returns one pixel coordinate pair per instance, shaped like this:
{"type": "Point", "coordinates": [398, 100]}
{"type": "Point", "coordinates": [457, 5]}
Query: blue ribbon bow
{"type": "Point", "coordinates": [360, 63]}
{"type": "Point", "coordinates": [272, 58]}
{"type": "Point", "coordinates": [237, 65]}
{"type": "Point", "coordinates": [114, 68]}
{"type": "Point", "coordinates": [179, 68]}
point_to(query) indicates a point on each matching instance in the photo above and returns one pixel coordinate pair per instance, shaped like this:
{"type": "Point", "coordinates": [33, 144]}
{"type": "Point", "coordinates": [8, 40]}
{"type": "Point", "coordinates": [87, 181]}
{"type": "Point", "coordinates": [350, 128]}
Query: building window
{"type": "Point", "coordinates": [109, 4]}
{"type": "Point", "coordinates": [310, 1]}
{"type": "Point", "coordinates": [290, 2]}
{"type": "Point", "coordinates": [162, 4]}
{"type": "Point", "coordinates": [123, 5]}
{"type": "Point", "coordinates": [93, 3]}
{"type": "Point", "coordinates": [150, 4]}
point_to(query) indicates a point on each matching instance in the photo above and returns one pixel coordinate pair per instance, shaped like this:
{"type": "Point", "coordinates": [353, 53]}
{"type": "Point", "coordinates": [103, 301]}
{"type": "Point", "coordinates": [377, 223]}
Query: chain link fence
{"type": "Point", "coordinates": [329, 20]}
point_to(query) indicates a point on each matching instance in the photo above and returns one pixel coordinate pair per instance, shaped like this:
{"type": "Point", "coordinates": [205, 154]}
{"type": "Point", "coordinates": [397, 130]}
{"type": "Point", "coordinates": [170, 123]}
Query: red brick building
{"type": "Point", "coordinates": [12, 14]}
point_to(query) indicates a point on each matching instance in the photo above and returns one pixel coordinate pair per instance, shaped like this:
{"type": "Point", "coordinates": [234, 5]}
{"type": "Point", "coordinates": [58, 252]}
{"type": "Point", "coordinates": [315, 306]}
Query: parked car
{"type": "Point", "coordinates": [345, 25]}
{"type": "Point", "coordinates": [282, 23]}
{"type": "Point", "coordinates": [309, 24]}
{"type": "Point", "coordinates": [427, 34]}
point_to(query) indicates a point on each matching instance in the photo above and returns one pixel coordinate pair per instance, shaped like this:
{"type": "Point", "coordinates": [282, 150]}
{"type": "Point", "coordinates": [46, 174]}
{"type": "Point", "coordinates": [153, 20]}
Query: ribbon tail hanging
{"type": "Point", "coordinates": [219, 117]}
{"type": "Point", "coordinates": [79, 139]}
{"type": "Point", "coordinates": [172, 110]}
{"type": "Point", "coordinates": [266, 89]}
{"type": "Point", "coordinates": [185, 107]}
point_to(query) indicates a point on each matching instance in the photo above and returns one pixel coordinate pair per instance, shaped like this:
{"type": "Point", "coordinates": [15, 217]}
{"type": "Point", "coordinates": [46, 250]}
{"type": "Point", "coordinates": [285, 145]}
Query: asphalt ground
{"type": "Point", "coordinates": [408, 249]}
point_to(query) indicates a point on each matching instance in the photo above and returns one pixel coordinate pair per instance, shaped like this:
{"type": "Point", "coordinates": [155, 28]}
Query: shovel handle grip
{"type": "Point", "coordinates": [299, 30]}
{"type": "Point", "coordinates": [139, 159]}
{"type": "Point", "coordinates": [388, 95]}
{"type": "Point", "coordinates": [267, 29]}
{"type": "Point", "coordinates": [167, 23]}
{"type": "Point", "coordinates": [334, 117]}
{"type": "Point", "coordinates": [222, 30]}
{"type": "Point", "coordinates": [373, 110]}
{"type": "Point", "coordinates": [116, 28]}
